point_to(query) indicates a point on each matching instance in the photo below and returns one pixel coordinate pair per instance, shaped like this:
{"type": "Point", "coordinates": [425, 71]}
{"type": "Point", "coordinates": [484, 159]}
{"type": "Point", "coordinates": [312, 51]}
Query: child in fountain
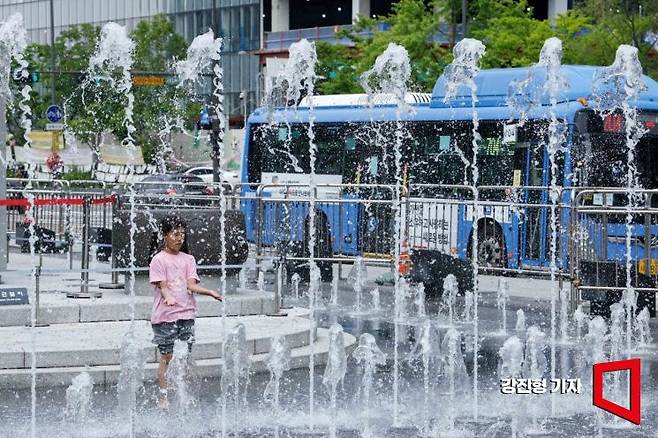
{"type": "Point", "coordinates": [173, 274]}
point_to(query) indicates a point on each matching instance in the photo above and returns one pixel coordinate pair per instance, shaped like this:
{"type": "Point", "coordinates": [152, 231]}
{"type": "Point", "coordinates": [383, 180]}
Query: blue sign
{"type": "Point", "coordinates": [205, 120]}
{"type": "Point", "coordinates": [13, 295]}
{"type": "Point", "coordinates": [54, 114]}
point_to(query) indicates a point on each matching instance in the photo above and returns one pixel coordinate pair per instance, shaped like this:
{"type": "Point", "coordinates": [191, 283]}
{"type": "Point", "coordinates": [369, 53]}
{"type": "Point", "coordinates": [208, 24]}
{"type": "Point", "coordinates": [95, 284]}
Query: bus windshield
{"type": "Point", "coordinates": [601, 152]}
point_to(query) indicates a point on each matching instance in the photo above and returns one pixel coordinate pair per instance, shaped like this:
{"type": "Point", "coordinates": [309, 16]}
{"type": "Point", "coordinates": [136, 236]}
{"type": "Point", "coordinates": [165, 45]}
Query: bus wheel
{"type": "Point", "coordinates": [491, 248]}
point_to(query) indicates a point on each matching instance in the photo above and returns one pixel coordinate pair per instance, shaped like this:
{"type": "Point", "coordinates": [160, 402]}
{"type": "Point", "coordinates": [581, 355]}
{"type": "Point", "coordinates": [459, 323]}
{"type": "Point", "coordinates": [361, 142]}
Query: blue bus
{"type": "Point", "coordinates": [355, 146]}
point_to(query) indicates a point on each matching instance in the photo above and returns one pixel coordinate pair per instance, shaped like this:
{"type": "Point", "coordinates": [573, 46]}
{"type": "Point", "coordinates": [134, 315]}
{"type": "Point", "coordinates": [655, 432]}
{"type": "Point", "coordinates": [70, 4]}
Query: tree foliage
{"type": "Point", "coordinates": [590, 34]}
{"type": "Point", "coordinates": [91, 107]}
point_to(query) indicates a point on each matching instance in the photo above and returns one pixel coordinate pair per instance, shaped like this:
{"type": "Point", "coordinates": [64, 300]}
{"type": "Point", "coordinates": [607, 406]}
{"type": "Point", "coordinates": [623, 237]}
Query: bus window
{"type": "Point", "coordinates": [601, 155]}
{"type": "Point", "coordinates": [330, 142]}
{"type": "Point", "coordinates": [435, 153]}
{"type": "Point", "coordinates": [495, 160]}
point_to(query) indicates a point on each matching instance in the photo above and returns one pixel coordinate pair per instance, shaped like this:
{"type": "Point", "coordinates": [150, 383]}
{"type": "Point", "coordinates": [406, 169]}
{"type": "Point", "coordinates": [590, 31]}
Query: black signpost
{"type": "Point", "coordinates": [13, 295]}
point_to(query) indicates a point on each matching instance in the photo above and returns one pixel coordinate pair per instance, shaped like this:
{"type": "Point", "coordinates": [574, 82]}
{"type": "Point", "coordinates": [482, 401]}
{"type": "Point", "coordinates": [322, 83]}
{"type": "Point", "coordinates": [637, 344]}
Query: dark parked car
{"type": "Point", "coordinates": [172, 184]}
{"type": "Point", "coordinates": [174, 189]}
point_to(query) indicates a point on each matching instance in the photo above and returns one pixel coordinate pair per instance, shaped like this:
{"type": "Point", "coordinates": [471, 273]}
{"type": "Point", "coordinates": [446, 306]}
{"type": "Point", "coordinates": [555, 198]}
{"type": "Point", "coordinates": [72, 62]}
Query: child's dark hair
{"type": "Point", "coordinates": [170, 223]}
{"type": "Point", "coordinates": [167, 225]}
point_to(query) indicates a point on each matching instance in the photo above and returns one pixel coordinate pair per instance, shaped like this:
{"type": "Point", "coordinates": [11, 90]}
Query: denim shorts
{"type": "Point", "coordinates": [165, 333]}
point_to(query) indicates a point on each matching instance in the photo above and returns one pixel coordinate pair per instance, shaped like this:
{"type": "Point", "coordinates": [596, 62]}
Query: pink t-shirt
{"type": "Point", "coordinates": [175, 270]}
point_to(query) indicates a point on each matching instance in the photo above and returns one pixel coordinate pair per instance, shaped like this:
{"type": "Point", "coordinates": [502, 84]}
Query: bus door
{"type": "Point", "coordinates": [374, 165]}
{"type": "Point", "coordinates": [529, 172]}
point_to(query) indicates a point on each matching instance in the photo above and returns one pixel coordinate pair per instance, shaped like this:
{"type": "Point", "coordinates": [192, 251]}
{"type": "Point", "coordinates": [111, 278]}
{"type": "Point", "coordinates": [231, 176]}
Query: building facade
{"type": "Point", "coordinates": [239, 23]}
{"type": "Point", "coordinates": [257, 33]}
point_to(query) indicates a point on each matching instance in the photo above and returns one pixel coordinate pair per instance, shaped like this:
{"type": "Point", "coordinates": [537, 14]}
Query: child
{"type": "Point", "coordinates": [173, 275]}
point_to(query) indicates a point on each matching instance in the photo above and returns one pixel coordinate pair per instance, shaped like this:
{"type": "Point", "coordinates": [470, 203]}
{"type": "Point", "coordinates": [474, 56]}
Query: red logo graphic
{"type": "Point", "coordinates": [635, 391]}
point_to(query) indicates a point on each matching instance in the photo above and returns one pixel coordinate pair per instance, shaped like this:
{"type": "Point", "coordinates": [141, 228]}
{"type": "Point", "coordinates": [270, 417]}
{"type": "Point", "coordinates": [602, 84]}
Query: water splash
{"type": "Point", "coordinates": [454, 372]}
{"type": "Point", "coordinates": [616, 331]}
{"type": "Point", "coordinates": [131, 377]}
{"type": "Point", "coordinates": [278, 362]}
{"type": "Point", "coordinates": [465, 66]}
{"type": "Point", "coordinates": [502, 297]}
{"type": "Point", "coordinates": [595, 341]}
{"type": "Point", "coordinates": [511, 358]}
{"type": "Point", "coordinates": [374, 298]}
{"type": "Point", "coordinates": [358, 276]}
{"type": "Point", "coordinates": [520, 322]}
{"type": "Point", "coordinates": [236, 367]}
{"type": "Point", "coordinates": [237, 362]}
{"type": "Point", "coordinates": [243, 277]}
{"type": "Point", "coordinates": [420, 301]}
{"type": "Point", "coordinates": [615, 88]}
{"type": "Point", "coordinates": [468, 306]}
{"type": "Point", "coordinates": [260, 283]}
{"type": "Point", "coordinates": [369, 355]}
{"type": "Point", "coordinates": [450, 290]}
{"type": "Point", "coordinates": [78, 399]}
{"type": "Point", "coordinates": [535, 367]}
{"type": "Point", "coordinates": [177, 374]}
{"type": "Point", "coordinates": [390, 74]}
{"type": "Point", "coordinates": [461, 73]}
{"type": "Point", "coordinates": [544, 79]}
{"type": "Point", "coordinates": [295, 79]}
{"type": "Point", "coordinates": [643, 330]}
{"type": "Point", "coordinates": [334, 372]}
{"type": "Point", "coordinates": [201, 54]}
{"type": "Point", "coordinates": [114, 53]}
{"type": "Point", "coordinates": [295, 280]}
{"type": "Point", "coordinates": [564, 314]}
{"type": "Point", "coordinates": [535, 364]}
{"type": "Point", "coordinates": [581, 318]}
{"type": "Point", "coordinates": [13, 42]}
{"type": "Point", "coordinates": [334, 290]}
{"type": "Point", "coordinates": [620, 83]}
{"type": "Point", "coordinates": [427, 348]}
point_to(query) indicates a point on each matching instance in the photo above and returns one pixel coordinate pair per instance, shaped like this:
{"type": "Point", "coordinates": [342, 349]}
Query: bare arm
{"type": "Point", "coordinates": [194, 287]}
{"type": "Point", "coordinates": [167, 296]}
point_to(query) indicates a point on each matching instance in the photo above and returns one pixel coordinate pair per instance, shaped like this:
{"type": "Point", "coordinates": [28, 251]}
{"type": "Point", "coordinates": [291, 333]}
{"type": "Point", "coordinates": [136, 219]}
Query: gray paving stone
{"type": "Point", "coordinates": [109, 375]}
{"type": "Point", "coordinates": [14, 316]}
{"type": "Point", "coordinates": [12, 360]}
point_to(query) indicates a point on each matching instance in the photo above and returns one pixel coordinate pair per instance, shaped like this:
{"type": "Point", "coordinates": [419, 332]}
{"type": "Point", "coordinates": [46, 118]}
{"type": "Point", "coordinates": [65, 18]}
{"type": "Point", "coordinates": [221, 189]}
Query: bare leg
{"type": "Point", "coordinates": [163, 402]}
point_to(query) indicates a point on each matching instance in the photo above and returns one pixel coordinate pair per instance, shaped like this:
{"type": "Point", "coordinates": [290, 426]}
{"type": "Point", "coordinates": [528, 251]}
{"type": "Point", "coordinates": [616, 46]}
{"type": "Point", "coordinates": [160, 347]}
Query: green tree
{"type": "Point", "coordinates": [413, 24]}
{"type": "Point", "coordinates": [590, 34]}
{"type": "Point", "coordinates": [157, 46]}
{"type": "Point", "coordinates": [336, 69]}
{"type": "Point", "coordinates": [93, 108]}
{"type": "Point", "coordinates": [615, 22]}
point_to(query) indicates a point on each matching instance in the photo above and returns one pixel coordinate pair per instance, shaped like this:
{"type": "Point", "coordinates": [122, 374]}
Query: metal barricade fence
{"type": "Point", "coordinates": [359, 220]}
{"type": "Point", "coordinates": [140, 212]}
{"type": "Point", "coordinates": [350, 221]}
{"type": "Point", "coordinates": [513, 224]}
{"type": "Point", "coordinates": [600, 228]}
{"type": "Point", "coordinates": [64, 220]}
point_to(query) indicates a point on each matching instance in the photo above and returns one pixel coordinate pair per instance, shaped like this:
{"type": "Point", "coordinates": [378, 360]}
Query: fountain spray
{"type": "Point", "coordinates": [461, 72]}
{"type": "Point", "coordinates": [614, 88]}
{"type": "Point", "coordinates": [390, 75]}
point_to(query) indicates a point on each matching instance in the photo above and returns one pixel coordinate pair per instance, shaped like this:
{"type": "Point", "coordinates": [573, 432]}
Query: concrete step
{"type": "Point", "coordinates": [109, 374]}
{"type": "Point", "coordinates": [56, 308]}
{"type": "Point", "coordinates": [93, 344]}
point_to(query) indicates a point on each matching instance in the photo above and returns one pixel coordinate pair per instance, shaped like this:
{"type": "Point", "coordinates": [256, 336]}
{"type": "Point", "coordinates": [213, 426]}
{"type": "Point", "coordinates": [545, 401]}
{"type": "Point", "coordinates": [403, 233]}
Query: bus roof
{"type": "Point", "coordinates": [493, 85]}
{"type": "Point", "coordinates": [491, 93]}
{"type": "Point", "coordinates": [361, 100]}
